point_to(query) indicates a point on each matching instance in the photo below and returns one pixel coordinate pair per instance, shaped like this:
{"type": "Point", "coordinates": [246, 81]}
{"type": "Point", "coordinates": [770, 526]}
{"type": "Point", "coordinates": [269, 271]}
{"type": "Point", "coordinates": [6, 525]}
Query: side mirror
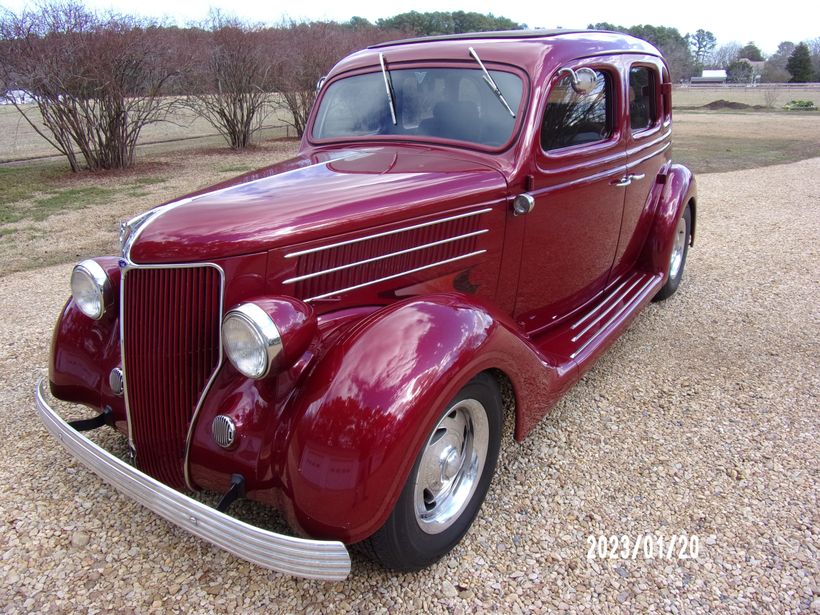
{"type": "Point", "coordinates": [583, 80]}
{"type": "Point", "coordinates": [320, 83]}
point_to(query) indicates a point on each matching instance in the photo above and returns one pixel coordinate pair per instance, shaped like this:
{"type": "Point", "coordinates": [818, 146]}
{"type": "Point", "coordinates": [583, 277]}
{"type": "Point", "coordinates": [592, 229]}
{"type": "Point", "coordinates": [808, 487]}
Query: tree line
{"type": "Point", "coordinates": [689, 54]}
{"type": "Point", "coordinates": [97, 79]}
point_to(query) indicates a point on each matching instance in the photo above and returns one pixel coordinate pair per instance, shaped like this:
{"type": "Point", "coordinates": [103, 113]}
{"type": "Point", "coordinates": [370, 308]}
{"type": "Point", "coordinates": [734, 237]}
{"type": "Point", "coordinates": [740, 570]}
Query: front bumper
{"type": "Point", "coordinates": [312, 559]}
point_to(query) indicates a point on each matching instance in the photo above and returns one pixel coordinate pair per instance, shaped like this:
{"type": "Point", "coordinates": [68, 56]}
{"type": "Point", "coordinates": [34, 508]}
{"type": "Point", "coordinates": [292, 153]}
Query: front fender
{"type": "Point", "coordinates": [679, 189]}
{"type": "Point", "coordinates": [355, 427]}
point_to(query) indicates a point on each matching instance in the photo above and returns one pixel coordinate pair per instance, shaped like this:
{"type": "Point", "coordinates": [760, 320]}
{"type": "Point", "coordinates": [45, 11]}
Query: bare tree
{"type": "Point", "coordinates": [306, 52]}
{"type": "Point", "coordinates": [96, 82]}
{"type": "Point", "coordinates": [770, 96]}
{"type": "Point", "coordinates": [230, 81]}
{"type": "Point", "coordinates": [724, 55]}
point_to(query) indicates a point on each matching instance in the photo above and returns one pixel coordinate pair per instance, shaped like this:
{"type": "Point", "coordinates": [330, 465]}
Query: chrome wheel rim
{"type": "Point", "coordinates": [451, 466]}
{"type": "Point", "coordinates": [678, 249]}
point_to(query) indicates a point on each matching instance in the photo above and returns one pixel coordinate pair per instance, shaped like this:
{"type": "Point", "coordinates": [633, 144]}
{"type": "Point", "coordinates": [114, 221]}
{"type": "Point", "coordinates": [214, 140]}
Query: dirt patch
{"type": "Point", "coordinates": [716, 105]}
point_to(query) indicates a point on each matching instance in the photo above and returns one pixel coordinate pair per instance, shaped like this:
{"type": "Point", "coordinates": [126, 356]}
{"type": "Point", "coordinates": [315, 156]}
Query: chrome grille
{"type": "Point", "coordinates": [170, 331]}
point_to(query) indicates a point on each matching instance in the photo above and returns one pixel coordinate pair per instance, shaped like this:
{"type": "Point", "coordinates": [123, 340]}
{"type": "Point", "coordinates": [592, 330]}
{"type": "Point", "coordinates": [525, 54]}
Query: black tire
{"type": "Point", "coordinates": [672, 283]}
{"type": "Point", "coordinates": [401, 543]}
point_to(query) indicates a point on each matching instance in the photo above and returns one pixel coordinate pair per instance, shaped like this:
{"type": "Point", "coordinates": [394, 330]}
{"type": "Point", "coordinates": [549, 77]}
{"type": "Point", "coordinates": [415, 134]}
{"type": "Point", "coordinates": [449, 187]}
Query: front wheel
{"type": "Point", "coordinates": [447, 484]}
{"type": "Point", "coordinates": [680, 248]}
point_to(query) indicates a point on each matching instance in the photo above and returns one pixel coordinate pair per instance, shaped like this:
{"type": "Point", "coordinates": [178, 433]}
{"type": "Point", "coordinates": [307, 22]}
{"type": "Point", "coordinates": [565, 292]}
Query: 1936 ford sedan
{"type": "Point", "coordinates": [330, 335]}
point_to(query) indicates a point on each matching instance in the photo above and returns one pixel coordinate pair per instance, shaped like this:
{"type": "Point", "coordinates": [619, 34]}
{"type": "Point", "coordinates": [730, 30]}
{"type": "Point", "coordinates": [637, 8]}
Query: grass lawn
{"type": "Point", "coordinates": [763, 95]}
{"type": "Point", "coordinates": [716, 141]}
{"type": "Point", "coordinates": [50, 215]}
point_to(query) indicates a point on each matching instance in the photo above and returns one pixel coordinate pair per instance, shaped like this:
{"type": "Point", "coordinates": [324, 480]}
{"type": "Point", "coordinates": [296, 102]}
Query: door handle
{"type": "Point", "coordinates": [637, 177]}
{"type": "Point", "coordinates": [623, 182]}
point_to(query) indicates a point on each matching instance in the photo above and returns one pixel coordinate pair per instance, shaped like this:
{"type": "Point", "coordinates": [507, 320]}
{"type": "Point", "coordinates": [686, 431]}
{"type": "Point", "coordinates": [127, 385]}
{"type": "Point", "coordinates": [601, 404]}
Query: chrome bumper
{"type": "Point", "coordinates": [312, 559]}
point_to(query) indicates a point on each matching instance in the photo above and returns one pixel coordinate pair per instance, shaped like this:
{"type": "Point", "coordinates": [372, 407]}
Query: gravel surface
{"type": "Point", "coordinates": [702, 420]}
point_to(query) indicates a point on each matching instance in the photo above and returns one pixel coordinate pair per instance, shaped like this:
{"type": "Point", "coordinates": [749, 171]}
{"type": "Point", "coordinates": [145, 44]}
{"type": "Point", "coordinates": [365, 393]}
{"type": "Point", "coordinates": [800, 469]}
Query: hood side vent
{"type": "Point", "coordinates": [361, 262]}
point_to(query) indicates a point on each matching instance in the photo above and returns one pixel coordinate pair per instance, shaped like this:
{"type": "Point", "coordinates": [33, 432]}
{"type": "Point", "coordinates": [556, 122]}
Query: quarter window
{"type": "Point", "coordinates": [571, 118]}
{"type": "Point", "coordinates": [642, 109]}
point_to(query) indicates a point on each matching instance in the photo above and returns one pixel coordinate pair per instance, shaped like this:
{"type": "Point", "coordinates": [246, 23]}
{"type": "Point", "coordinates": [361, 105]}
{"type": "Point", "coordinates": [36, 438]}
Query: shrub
{"type": "Point", "coordinates": [800, 105]}
{"type": "Point", "coordinates": [96, 81]}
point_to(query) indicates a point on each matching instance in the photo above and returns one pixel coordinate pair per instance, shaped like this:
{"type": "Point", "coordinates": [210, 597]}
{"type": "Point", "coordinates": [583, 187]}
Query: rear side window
{"type": "Point", "coordinates": [642, 108]}
{"type": "Point", "coordinates": [571, 118]}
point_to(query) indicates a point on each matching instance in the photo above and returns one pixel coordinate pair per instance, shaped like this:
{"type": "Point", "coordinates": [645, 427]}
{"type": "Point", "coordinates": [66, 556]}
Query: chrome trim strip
{"type": "Point", "coordinates": [366, 261]}
{"type": "Point", "coordinates": [397, 275]}
{"type": "Point", "coordinates": [313, 559]}
{"type": "Point", "coordinates": [387, 233]}
{"type": "Point", "coordinates": [128, 267]}
{"type": "Point", "coordinates": [601, 304]}
{"type": "Point", "coordinates": [622, 296]}
{"type": "Point", "coordinates": [146, 218]}
{"type": "Point", "coordinates": [651, 281]}
{"type": "Point", "coordinates": [636, 162]}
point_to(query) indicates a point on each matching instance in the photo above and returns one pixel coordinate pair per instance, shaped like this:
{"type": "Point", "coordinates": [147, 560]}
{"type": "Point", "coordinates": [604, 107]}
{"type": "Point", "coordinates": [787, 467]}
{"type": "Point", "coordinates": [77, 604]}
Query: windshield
{"type": "Point", "coordinates": [447, 103]}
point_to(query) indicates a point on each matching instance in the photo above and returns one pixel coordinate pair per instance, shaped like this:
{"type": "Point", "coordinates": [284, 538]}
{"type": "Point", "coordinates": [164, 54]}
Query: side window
{"type": "Point", "coordinates": [575, 119]}
{"type": "Point", "coordinates": [642, 108]}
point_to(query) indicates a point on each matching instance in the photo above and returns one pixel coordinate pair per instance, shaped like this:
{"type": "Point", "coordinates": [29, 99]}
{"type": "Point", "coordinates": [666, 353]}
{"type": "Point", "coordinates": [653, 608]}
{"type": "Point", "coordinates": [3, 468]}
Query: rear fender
{"type": "Point", "coordinates": [354, 428]}
{"type": "Point", "coordinates": [679, 189]}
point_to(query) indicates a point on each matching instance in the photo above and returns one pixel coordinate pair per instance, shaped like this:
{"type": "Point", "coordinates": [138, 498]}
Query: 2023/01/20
{"type": "Point", "coordinates": [677, 546]}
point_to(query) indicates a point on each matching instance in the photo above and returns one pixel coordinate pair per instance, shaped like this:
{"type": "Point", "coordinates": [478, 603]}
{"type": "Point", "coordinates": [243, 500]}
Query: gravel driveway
{"type": "Point", "coordinates": [702, 420]}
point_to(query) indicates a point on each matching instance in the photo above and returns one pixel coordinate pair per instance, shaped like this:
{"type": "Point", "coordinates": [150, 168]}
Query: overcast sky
{"type": "Point", "coordinates": [765, 24]}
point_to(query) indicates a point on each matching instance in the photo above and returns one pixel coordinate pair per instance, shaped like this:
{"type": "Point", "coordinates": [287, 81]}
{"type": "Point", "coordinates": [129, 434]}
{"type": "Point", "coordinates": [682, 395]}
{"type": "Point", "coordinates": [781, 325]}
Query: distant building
{"type": "Point", "coordinates": [21, 97]}
{"type": "Point", "coordinates": [710, 77]}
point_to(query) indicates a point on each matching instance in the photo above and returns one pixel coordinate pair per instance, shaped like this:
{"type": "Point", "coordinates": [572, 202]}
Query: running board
{"type": "Point", "coordinates": [597, 327]}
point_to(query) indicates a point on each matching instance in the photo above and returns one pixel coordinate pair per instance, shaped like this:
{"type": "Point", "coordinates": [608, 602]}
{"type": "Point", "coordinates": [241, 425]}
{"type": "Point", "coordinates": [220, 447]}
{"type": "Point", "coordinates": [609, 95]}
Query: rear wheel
{"type": "Point", "coordinates": [447, 484]}
{"type": "Point", "coordinates": [680, 248]}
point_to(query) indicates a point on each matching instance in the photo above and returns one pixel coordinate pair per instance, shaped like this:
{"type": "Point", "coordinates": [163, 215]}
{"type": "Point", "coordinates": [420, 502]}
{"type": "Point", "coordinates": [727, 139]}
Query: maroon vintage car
{"type": "Point", "coordinates": [330, 335]}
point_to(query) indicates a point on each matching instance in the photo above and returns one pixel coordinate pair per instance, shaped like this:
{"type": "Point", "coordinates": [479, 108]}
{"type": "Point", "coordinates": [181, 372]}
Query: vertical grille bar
{"type": "Point", "coordinates": [171, 349]}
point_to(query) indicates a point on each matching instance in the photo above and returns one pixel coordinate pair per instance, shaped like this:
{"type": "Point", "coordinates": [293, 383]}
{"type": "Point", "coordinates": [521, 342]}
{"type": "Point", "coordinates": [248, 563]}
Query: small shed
{"type": "Point", "coordinates": [710, 77]}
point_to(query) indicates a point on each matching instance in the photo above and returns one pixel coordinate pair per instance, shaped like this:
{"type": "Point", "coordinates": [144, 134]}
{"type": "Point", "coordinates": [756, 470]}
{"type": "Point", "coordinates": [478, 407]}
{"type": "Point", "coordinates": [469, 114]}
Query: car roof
{"type": "Point", "coordinates": [493, 34]}
{"type": "Point", "coordinates": [526, 49]}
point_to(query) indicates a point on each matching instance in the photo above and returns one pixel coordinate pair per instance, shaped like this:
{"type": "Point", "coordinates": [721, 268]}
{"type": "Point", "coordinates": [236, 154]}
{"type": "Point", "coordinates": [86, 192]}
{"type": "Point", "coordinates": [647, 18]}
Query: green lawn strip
{"type": "Point", "coordinates": [236, 168]}
{"type": "Point", "coordinates": [34, 192]}
{"type": "Point", "coordinates": [20, 183]}
{"type": "Point", "coordinates": [68, 198]}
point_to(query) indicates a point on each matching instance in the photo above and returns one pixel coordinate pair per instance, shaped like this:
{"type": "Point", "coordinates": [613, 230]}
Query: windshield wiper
{"type": "Point", "coordinates": [389, 89]}
{"type": "Point", "coordinates": [490, 82]}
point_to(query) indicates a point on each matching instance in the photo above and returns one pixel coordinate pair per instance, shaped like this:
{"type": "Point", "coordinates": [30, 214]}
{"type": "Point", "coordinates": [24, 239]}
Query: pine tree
{"type": "Point", "coordinates": [751, 52]}
{"type": "Point", "coordinates": [799, 64]}
{"type": "Point", "coordinates": [702, 43]}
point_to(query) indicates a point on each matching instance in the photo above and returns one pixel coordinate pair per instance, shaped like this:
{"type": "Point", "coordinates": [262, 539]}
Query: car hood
{"type": "Point", "coordinates": [308, 197]}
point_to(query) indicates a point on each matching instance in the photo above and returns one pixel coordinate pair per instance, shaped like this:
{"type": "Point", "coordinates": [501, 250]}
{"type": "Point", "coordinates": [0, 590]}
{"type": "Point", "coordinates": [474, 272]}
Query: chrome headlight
{"type": "Point", "coordinates": [251, 340]}
{"type": "Point", "coordinates": [91, 288]}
